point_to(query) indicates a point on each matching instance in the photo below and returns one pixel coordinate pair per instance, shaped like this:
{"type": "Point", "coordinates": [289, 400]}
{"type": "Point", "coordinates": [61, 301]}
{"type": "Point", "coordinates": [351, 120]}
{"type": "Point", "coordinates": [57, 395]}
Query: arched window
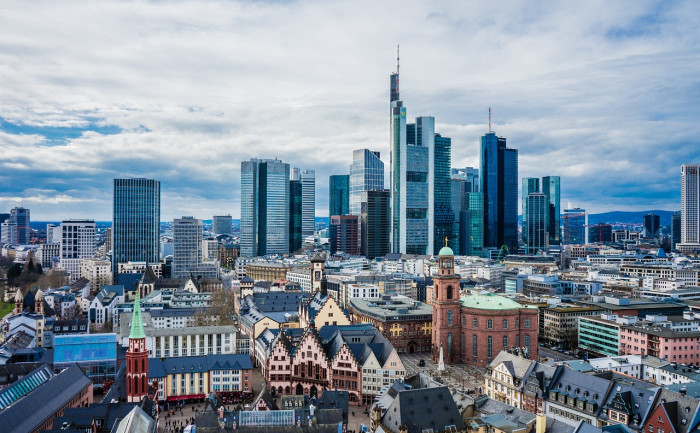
{"type": "Point", "coordinates": [449, 292]}
{"type": "Point", "coordinates": [505, 342]}
{"type": "Point", "coordinates": [475, 346]}
{"type": "Point", "coordinates": [436, 317]}
{"type": "Point", "coordinates": [464, 320]}
{"type": "Point", "coordinates": [527, 323]}
{"type": "Point", "coordinates": [527, 344]}
{"type": "Point", "coordinates": [489, 324]}
{"type": "Point", "coordinates": [475, 323]}
{"type": "Point", "coordinates": [449, 318]}
{"type": "Point", "coordinates": [464, 344]}
{"type": "Point", "coordinates": [505, 323]}
{"type": "Point", "coordinates": [449, 345]}
{"type": "Point", "coordinates": [489, 347]}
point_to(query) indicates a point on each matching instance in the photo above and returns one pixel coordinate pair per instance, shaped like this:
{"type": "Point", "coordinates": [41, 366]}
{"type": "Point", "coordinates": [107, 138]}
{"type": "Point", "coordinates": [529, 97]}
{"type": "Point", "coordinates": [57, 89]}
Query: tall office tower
{"type": "Point", "coordinates": [574, 227]}
{"type": "Point", "coordinates": [264, 207]}
{"type": "Point", "coordinates": [652, 223]}
{"type": "Point", "coordinates": [222, 224]}
{"type": "Point", "coordinates": [136, 222]}
{"type": "Point", "coordinates": [339, 194]}
{"type": "Point", "coordinates": [53, 234]}
{"type": "Point", "coordinates": [4, 217]}
{"type": "Point", "coordinates": [366, 172]}
{"type": "Point", "coordinates": [77, 243]}
{"type": "Point", "coordinates": [475, 225]}
{"type": "Point", "coordinates": [108, 240]}
{"type": "Point", "coordinates": [551, 187]}
{"type": "Point", "coordinates": [690, 206]}
{"type": "Point", "coordinates": [676, 228]}
{"type": "Point", "coordinates": [537, 222]}
{"type": "Point", "coordinates": [187, 246]}
{"type": "Point", "coordinates": [499, 184]}
{"type": "Point", "coordinates": [344, 234]}
{"type": "Point", "coordinates": [460, 207]}
{"type": "Point", "coordinates": [443, 216]}
{"type": "Point", "coordinates": [295, 215]}
{"type": "Point", "coordinates": [470, 174]}
{"type": "Point", "coordinates": [308, 199]}
{"type": "Point", "coordinates": [8, 233]}
{"type": "Point", "coordinates": [19, 216]}
{"type": "Point", "coordinates": [530, 185]}
{"type": "Point", "coordinates": [375, 226]}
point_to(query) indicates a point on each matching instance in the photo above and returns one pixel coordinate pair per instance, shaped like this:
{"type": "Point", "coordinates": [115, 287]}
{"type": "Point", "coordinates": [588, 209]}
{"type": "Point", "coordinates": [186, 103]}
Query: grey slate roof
{"type": "Point", "coordinates": [30, 412]}
{"type": "Point", "coordinates": [683, 411]}
{"type": "Point", "coordinates": [517, 366]}
{"type": "Point", "coordinates": [420, 409]}
{"type": "Point", "coordinates": [584, 427]}
{"type": "Point", "coordinates": [580, 385]}
{"type": "Point", "coordinates": [195, 364]}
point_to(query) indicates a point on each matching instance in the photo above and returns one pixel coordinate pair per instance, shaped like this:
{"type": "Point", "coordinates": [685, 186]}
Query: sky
{"type": "Point", "coordinates": [604, 94]}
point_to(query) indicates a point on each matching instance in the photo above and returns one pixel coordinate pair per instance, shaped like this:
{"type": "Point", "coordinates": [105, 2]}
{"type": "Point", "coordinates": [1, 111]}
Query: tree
{"type": "Point", "coordinates": [14, 272]}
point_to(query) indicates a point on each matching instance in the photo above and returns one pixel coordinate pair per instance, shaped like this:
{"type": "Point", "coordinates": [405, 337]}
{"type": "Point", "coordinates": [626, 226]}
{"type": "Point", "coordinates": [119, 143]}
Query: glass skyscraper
{"type": "Point", "coordinates": [187, 246]}
{"type": "Point", "coordinates": [366, 172]}
{"type": "Point", "coordinates": [264, 207]}
{"type": "Point", "coordinates": [308, 199]}
{"type": "Point", "coordinates": [551, 187]}
{"type": "Point", "coordinates": [530, 185]}
{"type": "Point", "coordinates": [295, 215]}
{"type": "Point", "coordinates": [222, 224]}
{"type": "Point", "coordinates": [443, 215]}
{"type": "Point", "coordinates": [574, 227]}
{"type": "Point", "coordinates": [475, 225]}
{"type": "Point", "coordinates": [136, 222]}
{"type": "Point", "coordinates": [375, 226]}
{"type": "Point", "coordinates": [19, 216]}
{"type": "Point", "coordinates": [338, 194]}
{"type": "Point", "coordinates": [499, 184]}
{"type": "Point", "coordinates": [460, 207]}
{"type": "Point", "coordinates": [536, 226]}
{"type": "Point", "coordinates": [470, 174]}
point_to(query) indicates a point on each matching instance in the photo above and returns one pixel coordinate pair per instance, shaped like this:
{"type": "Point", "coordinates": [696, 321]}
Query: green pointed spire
{"type": "Point", "coordinates": [136, 321]}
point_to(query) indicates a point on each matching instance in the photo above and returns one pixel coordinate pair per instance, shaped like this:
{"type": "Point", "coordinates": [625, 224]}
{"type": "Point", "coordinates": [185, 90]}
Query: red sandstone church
{"type": "Point", "coordinates": [474, 329]}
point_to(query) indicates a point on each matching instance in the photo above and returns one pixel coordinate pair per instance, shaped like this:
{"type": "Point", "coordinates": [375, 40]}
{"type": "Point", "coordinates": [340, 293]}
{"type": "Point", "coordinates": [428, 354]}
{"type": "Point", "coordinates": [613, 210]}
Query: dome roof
{"type": "Point", "coordinates": [490, 301]}
{"type": "Point", "coordinates": [446, 251]}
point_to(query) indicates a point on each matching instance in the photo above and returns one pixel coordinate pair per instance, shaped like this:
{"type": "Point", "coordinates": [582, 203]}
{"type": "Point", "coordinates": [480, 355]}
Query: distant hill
{"type": "Point", "coordinates": [629, 217]}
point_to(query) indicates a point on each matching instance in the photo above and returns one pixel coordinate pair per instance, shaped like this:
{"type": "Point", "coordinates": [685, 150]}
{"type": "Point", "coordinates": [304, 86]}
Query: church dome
{"type": "Point", "coordinates": [446, 251]}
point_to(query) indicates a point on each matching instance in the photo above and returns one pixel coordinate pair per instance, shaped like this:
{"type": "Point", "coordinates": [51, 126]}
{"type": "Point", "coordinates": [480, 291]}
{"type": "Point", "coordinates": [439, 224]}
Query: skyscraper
{"type": "Point", "coordinates": [222, 224]}
{"type": "Point", "coordinates": [574, 230]}
{"type": "Point", "coordinates": [264, 207]}
{"type": "Point", "coordinates": [339, 194]}
{"type": "Point", "coordinates": [77, 239]}
{"type": "Point", "coordinates": [499, 184]}
{"type": "Point", "coordinates": [460, 207]}
{"type": "Point", "coordinates": [344, 234]}
{"type": "Point", "coordinates": [651, 225]}
{"type": "Point", "coordinates": [530, 185]}
{"type": "Point", "coordinates": [19, 216]}
{"type": "Point", "coordinates": [475, 226]}
{"type": "Point", "coordinates": [537, 217]}
{"type": "Point", "coordinates": [308, 199]}
{"type": "Point", "coordinates": [375, 227]}
{"type": "Point", "coordinates": [295, 215]}
{"type": "Point", "coordinates": [470, 174]}
{"type": "Point", "coordinates": [443, 215]}
{"type": "Point", "coordinates": [690, 206]}
{"type": "Point", "coordinates": [675, 228]}
{"type": "Point", "coordinates": [552, 190]}
{"type": "Point", "coordinates": [187, 246]}
{"type": "Point", "coordinates": [136, 222]}
{"type": "Point", "coordinates": [366, 172]}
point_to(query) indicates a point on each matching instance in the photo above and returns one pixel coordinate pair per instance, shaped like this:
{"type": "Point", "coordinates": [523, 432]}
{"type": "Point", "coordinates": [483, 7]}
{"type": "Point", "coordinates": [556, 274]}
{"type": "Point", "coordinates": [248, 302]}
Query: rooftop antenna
{"type": "Point", "coordinates": [397, 59]}
{"type": "Point", "coordinates": [489, 119]}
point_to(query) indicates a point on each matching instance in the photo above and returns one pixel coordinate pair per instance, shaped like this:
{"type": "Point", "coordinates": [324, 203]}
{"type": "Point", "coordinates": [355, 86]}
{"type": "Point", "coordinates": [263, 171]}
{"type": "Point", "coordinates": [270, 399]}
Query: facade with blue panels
{"type": "Point", "coordinates": [551, 187]}
{"type": "Point", "coordinates": [366, 173]}
{"type": "Point", "coordinates": [339, 194]}
{"type": "Point", "coordinates": [136, 222]}
{"type": "Point", "coordinates": [95, 354]}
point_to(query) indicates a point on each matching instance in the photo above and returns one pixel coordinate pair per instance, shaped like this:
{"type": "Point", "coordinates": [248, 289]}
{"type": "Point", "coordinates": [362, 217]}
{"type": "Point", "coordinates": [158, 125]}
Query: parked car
{"type": "Point", "coordinates": [421, 363]}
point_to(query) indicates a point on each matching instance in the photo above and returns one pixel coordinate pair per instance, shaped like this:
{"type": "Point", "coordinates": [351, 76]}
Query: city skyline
{"type": "Point", "coordinates": [155, 97]}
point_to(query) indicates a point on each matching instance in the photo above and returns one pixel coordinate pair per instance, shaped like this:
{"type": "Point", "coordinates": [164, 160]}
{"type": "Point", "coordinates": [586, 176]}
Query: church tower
{"type": "Point", "coordinates": [136, 357]}
{"type": "Point", "coordinates": [19, 302]}
{"type": "Point", "coordinates": [318, 263]}
{"type": "Point", "coordinates": [39, 302]}
{"type": "Point", "coordinates": [446, 309]}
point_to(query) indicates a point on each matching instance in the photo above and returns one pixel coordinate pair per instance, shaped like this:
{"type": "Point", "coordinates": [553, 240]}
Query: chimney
{"type": "Point", "coordinates": [682, 391]}
{"type": "Point", "coordinates": [541, 423]}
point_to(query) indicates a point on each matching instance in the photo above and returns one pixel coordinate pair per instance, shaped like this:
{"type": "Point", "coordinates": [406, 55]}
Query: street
{"type": "Point", "coordinates": [553, 355]}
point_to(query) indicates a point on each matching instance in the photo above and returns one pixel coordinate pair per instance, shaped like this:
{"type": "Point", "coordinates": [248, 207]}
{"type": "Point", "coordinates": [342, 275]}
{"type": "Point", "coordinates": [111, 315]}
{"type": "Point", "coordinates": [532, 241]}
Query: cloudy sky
{"type": "Point", "coordinates": [604, 94]}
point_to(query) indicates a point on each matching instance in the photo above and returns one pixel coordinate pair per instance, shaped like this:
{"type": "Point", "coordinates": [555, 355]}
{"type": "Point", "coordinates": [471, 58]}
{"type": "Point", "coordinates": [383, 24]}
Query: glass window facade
{"type": "Point", "coordinates": [339, 194]}
{"type": "Point", "coordinates": [187, 246]}
{"type": "Point", "coordinates": [366, 173]}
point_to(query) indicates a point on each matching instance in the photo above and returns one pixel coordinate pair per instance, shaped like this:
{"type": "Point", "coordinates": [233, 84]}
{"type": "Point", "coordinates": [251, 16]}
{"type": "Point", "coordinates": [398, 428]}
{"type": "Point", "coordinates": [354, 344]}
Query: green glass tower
{"type": "Point", "coordinates": [339, 194]}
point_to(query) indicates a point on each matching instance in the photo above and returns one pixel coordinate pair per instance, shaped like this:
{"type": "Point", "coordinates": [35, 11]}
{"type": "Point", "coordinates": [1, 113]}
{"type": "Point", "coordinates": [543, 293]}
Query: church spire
{"type": "Point", "coordinates": [136, 320]}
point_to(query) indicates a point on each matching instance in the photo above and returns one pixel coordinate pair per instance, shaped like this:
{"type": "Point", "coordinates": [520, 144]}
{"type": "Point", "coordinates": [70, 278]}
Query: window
{"type": "Point", "coordinates": [527, 344]}
{"type": "Point", "coordinates": [449, 318]}
{"type": "Point", "coordinates": [505, 323]}
{"type": "Point", "coordinates": [475, 345]}
{"type": "Point", "coordinates": [475, 323]}
{"type": "Point", "coordinates": [464, 344]}
{"type": "Point", "coordinates": [505, 342]}
{"type": "Point", "coordinates": [489, 347]}
{"type": "Point", "coordinates": [489, 324]}
{"type": "Point", "coordinates": [527, 323]}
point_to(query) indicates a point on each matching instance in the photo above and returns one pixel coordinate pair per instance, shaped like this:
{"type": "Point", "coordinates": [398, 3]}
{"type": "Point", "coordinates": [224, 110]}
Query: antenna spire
{"type": "Point", "coordinates": [397, 59]}
{"type": "Point", "coordinates": [489, 119]}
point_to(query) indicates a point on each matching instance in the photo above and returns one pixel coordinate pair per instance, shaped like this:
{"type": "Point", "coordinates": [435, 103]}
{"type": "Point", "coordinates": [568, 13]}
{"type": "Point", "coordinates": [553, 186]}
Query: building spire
{"type": "Point", "coordinates": [489, 119]}
{"type": "Point", "coordinates": [397, 59]}
{"type": "Point", "coordinates": [136, 320]}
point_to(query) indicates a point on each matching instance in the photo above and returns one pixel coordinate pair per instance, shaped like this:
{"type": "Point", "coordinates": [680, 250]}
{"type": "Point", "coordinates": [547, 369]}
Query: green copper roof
{"type": "Point", "coordinates": [489, 301]}
{"type": "Point", "coordinates": [136, 321]}
{"type": "Point", "coordinates": [446, 251]}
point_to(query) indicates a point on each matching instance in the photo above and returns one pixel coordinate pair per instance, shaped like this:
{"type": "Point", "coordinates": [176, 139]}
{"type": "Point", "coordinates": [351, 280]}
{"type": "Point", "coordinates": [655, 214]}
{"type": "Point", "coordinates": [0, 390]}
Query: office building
{"type": "Point", "coordinates": [264, 207]}
{"type": "Point", "coordinates": [530, 185]}
{"type": "Point", "coordinates": [470, 174]}
{"type": "Point", "coordinates": [187, 246]}
{"type": "Point", "coordinates": [77, 242]}
{"type": "Point", "coordinates": [676, 228]}
{"type": "Point", "coordinates": [8, 233]}
{"type": "Point", "coordinates": [443, 216]}
{"type": "Point", "coordinates": [574, 226]}
{"type": "Point", "coordinates": [53, 234]}
{"type": "Point", "coordinates": [459, 188]}
{"type": "Point", "coordinates": [339, 194]}
{"type": "Point", "coordinates": [366, 173]}
{"type": "Point", "coordinates": [4, 217]}
{"type": "Point", "coordinates": [475, 225]}
{"type": "Point", "coordinates": [97, 271]}
{"type": "Point", "coordinates": [345, 234]}
{"type": "Point", "coordinates": [535, 225]}
{"type": "Point", "coordinates": [295, 215]}
{"type": "Point", "coordinates": [499, 184]}
{"type": "Point", "coordinates": [651, 225]}
{"type": "Point", "coordinates": [551, 188]}
{"type": "Point", "coordinates": [690, 205]}
{"type": "Point", "coordinates": [308, 199]}
{"type": "Point", "coordinates": [375, 226]}
{"type": "Point", "coordinates": [19, 216]}
{"type": "Point", "coordinates": [222, 224]}
{"type": "Point", "coordinates": [600, 233]}
{"type": "Point", "coordinates": [136, 223]}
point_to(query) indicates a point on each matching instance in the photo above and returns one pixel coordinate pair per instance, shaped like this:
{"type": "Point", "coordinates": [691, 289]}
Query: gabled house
{"type": "Point", "coordinates": [574, 396]}
{"type": "Point", "coordinates": [673, 412]}
{"type": "Point", "coordinates": [505, 378]}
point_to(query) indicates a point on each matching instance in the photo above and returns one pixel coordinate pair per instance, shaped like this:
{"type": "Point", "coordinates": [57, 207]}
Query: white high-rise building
{"type": "Point", "coordinates": [77, 242]}
{"type": "Point", "coordinates": [53, 234]}
{"type": "Point", "coordinates": [308, 199]}
{"type": "Point", "coordinates": [8, 233]}
{"type": "Point", "coordinates": [690, 207]}
{"type": "Point", "coordinates": [97, 271]}
{"type": "Point", "coordinates": [187, 246]}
